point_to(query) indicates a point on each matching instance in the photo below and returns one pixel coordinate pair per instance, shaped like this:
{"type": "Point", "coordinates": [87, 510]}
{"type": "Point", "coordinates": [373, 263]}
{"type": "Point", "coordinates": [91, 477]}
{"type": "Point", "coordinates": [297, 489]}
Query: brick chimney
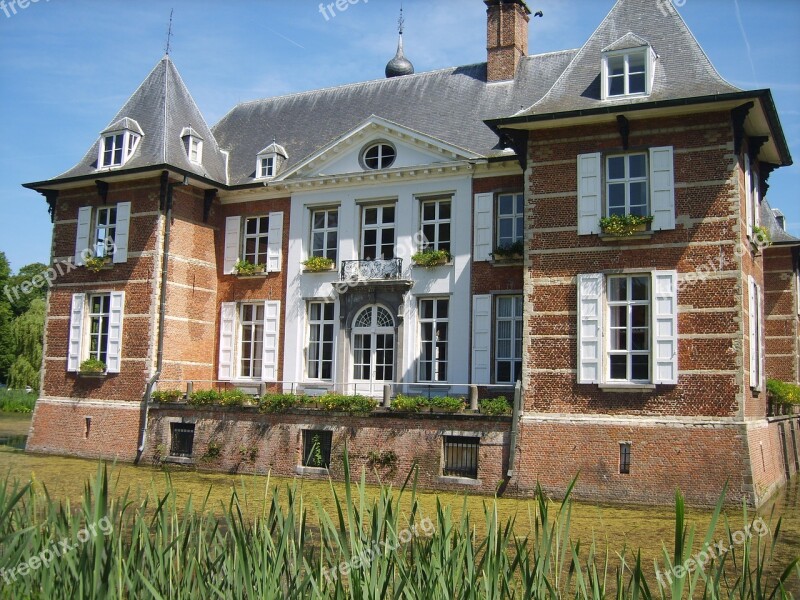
{"type": "Point", "coordinates": [506, 37]}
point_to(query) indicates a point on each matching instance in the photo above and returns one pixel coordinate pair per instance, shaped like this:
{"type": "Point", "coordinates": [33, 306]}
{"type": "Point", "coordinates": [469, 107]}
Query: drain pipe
{"type": "Point", "coordinates": [512, 454]}
{"type": "Point", "coordinates": [166, 189]}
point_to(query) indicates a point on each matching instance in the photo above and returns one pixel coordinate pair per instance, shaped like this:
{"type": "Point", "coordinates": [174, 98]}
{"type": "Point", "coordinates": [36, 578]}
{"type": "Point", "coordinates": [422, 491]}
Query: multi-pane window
{"type": "Point", "coordinates": [625, 458]}
{"type": "Point", "coordinates": [434, 326]}
{"type": "Point", "coordinates": [256, 239]}
{"type": "Point", "coordinates": [626, 184]}
{"type": "Point", "coordinates": [182, 439]}
{"type": "Point", "coordinates": [627, 73]}
{"type": "Point", "coordinates": [251, 340]}
{"type": "Point", "coordinates": [377, 232]}
{"type": "Point", "coordinates": [117, 148]}
{"type": "Point", "coordinates": [379, 156]}
{"type": "Point", "coordinates": [508, 339]}
{"type": "Point", "coordinates": [317, 448]}
{"type": "Point", "coordinates": [320, 340]}
{"type": "Point", "coordinates": [436, 224]}
{"type": "Point", "coordinates": [325, 233]}
{"type": "Point", "coordinates": [267, 166]}
{"type": "Point", "coordinates": [194, 149]}
{"type": "Point", "coordinates": [629, 328]}
{"type": "Point", "coordinates": [460, 456]}
{"type": "Point", "coordinates": [105, 230]}
{"type": "Point", "coordinates": [510, 219]}
{"type": "Point", "coordinates": [99, 312]}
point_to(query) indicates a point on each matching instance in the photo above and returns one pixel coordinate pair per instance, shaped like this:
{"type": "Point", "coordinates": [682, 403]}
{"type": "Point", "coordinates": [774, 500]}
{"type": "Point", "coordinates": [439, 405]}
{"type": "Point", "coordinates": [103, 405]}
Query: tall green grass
{"type": "Point", "coordinates": [365, 548]}
{"type": "Point", "coordinates": [16, 401]}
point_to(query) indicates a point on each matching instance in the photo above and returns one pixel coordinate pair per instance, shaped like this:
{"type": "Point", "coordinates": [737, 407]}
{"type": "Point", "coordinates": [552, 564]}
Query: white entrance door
{"type": "Point", "coordinates": [373, 350]}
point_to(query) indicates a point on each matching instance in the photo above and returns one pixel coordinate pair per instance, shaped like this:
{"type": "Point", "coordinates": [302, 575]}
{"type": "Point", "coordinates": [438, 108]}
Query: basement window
{"type": "Point", "coordinates": [317, 448]}
{"type": "Point", "coordinates": [460, 456]}
{"type": "Point", "coordinates": [625, 458]}
{"type": "Point", "coordinates": [182, 435]}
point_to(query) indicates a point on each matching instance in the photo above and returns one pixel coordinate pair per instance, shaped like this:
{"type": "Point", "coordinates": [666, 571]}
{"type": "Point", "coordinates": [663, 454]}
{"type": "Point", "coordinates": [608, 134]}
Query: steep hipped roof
{"type": "Point", "coordinates": [777, 234]}
{"type": "Point", "coordinates": [161, 109]}
{"type": "Point", "coordinates": [682, 69]}
{"type": "Point", "coordinates": [449, 104]}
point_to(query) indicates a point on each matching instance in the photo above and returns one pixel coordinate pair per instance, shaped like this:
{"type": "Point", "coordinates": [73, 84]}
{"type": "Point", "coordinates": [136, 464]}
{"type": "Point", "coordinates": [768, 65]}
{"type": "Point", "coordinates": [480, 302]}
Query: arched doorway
{"type": "Point", "coordinates": [373, 344]}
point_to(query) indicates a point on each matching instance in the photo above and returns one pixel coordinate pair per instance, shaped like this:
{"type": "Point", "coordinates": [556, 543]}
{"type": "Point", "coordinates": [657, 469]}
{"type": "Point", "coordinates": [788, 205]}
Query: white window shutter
{"type": "Point", "coordinates": [590, 328]}
{"type": "Point", "coordinates": [74, 348]}
{"type": "Point", "coordinates": [269, 363]}
{"type": "Point", "coordinates": [274, 242]}
{"type": "Point", "coordinates": [662, 188]}
{"type": "Point", "coordinates": [483, 221]}
{"type": "Point", "coordinates": [115, 317]}
{"type": "Point", "coordinates": [123, 227]}
{"type": "Point", "coordinates": [227, 339]}
{"type": "Point", "coordinates": [481, 338]}
{"type": "Point", "coordinates": [751, 310]}
{"type": "Point", "coordinates": [665, 327]}
{"type": "Point", "coordinates": [760, 338]}
{"type": "Point", "coordinates": [84, 233]}
{"type": "Point", "coordinates": [748, 195]}
{"type": "Point", "coordinates": [233, 231]}
{"type": "Point", "coordinates": [590, 199]}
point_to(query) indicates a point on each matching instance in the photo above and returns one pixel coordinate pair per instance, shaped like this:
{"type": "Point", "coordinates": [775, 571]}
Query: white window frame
{"type": "Point", "coordinates": [629, 304]}
{"type": "Point", "coordinates": [626, 54]}
{"type": "Point", "coordinates": [266, 166]}
{"type": "Point", "coordinates": [435, 361]}
{"type": "Point", "coordinates": [254, 370]}
{"type": "Point", "coordinates": [320, 324]}
{"type": "Point", "coordinates": [435, 224]}
{"type": "Point", "coordinates": [103, 248]}
{"type": "Point", "coordinates": [384, 159]}
{"type": "Point", "coordinates": [752, 194]}
{"type": "Point", "coordinates": [79, 345]}
{"type": "Point", "coordinates": [194, 149]}
{"type": "Point", "coordinates": [627, 180]}
{"type": "Point", "coordinates": [230, 340]}
{"type": "Point", "coordinates": [128, 142]}
{"type": "Point", "coordinates": [755, 310]}
{"type": "Point", "coordinates": [516, 216]}
{"type": "Point", "coordinates": [102, 318]}
{"type": "Point", "coordinates": [516, 351]}
{"type": "Point", "coordinates": [327, 249]}
{"type": "Point", "coordinates": [261, 239]}
{"type": "Point", "coordinates": [379, 226]}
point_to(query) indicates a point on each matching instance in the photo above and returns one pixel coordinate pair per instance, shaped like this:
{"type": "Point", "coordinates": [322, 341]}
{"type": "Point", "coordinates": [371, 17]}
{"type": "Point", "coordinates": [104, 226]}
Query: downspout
{"type": "Point", "coordinates": [161, 314]}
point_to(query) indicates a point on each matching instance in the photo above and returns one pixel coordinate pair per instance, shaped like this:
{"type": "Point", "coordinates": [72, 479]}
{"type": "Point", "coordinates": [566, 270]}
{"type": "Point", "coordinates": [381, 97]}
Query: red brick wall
{"type": "Point", "coordinates": [782, 322]}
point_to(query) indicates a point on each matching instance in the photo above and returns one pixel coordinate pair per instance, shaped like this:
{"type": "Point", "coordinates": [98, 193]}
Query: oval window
{"type": "Point", "coordinates": [379, 156]}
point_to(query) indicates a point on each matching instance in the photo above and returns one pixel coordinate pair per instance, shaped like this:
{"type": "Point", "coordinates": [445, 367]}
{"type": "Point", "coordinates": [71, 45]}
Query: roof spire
{"type": "Point", "coordinates": [399, 65]}
{"type": "Point", "coordinates": [169, 32]}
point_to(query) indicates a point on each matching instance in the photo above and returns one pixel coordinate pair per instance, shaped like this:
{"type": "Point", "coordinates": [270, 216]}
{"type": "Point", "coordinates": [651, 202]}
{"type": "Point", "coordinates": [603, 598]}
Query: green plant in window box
{"type": "Point", "coordinates": [624, 225]}
{"type": "Point", "coordinates": [431, 258]}
{"type": "Point", "coordinates": [761, 237]}
{"type": "Point", "coordinates": [92, 366]}
{"type": "Point", "coordinates": [783, 394]}
{"type": "Point", "coordinates": [448, 404]}
{"type": "Point", "coordinates": [233, 398]}
{"type": "Point", "coordinates": [166, 396]}
{"type": "Point", "coordinates": [245, 267]}
{"type": "Point", "coordinates": [204, 397]}
{"type": "Point", "coordinates": [96, 263]}
{"type": "Point", "coordinates": [317, 264]}
{"type": "Point", "coordinates": [495, 406]}
{"type": "Point", "coordinates": [512, 251]}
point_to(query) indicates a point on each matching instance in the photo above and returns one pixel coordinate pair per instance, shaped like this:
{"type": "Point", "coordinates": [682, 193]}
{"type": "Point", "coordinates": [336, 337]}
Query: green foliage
{"type": "Point", "coordinates": [166, 396]}
{"type": "Point", "coordinates": [403, 403]}
{"type": "Point", "coordinates": [248, 453]}
{"type": "Point", "coordinates": [315, 458]}
{"type": "Point", "coordinates": [244, 267]}
{"type": "Point", "coordinates": [513, 250]}
{"type": "Point", "coordinates": [318, 263]}
{"type": "Point", "coordinates": [233, 398]}
{"type": "Point", "coordinates": [783, 392]}
{"type": "Point", "coordinates": [31, 273]}
{"type": "Point", "coordinates": [430, 257]}
{"type": "Point", "coordinates": [349, 404]}
{"type": "Point", "coordinates": [96, 263]}
{"type": "Point", "coordinates": [16, 401]}
{"type": "Point", "coordinates": [446, 403]}
{"type": "Point", "coordinates": [275, 403]}
{"type": "Point", "coordinates": [623, 225]}
{"type": "Point", "coordinates": [204, 397]}
{"type": "Point", "coordinates": [27, 332]}
{"type": "Point", "coordinates": [761, 236]}
{"type": "Point", "coordinates": [160, 547]}
{"type": "Point", "coordinates": [383, 460]}
{"type": "Point", "coordinates": [92, 365]}
{"type": "Point", "coordinates": [495, 406]}
{"type": "Point", "coordinates": [213, 452]}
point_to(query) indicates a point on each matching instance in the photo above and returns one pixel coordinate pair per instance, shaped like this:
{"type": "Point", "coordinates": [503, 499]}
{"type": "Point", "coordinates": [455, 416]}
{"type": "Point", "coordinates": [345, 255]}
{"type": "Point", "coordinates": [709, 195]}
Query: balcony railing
{"type": "Point", "coordinates": [371, 270]}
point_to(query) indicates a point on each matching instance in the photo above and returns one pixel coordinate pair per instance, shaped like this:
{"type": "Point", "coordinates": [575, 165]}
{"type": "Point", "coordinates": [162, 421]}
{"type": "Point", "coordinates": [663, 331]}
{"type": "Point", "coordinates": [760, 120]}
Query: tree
{"type": "Point", "coordinates": [6, 316]}
{"type": "Point", "coordinates": [21, 302]}
{"type": "Point", "coordinates": [27, 332]}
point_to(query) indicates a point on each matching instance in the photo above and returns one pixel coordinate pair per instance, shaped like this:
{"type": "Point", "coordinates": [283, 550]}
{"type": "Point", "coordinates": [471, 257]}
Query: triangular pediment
{"type": "Point", "coordinates": [345, 154]}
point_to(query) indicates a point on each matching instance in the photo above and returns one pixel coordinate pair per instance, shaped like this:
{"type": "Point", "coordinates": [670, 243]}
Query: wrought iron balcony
{"type": "Point", "coordinates": [371, 270]}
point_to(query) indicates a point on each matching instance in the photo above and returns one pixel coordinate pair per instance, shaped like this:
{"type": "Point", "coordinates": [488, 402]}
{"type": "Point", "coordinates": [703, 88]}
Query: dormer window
{"type": "Point", "coordinates": [118, 143]}
{"type": "Point", "coordinates": [270, 161]}
{"type": "Point", "coordinates": [193, 144]}
{"type": "Point", "coordinates": [627, 71]}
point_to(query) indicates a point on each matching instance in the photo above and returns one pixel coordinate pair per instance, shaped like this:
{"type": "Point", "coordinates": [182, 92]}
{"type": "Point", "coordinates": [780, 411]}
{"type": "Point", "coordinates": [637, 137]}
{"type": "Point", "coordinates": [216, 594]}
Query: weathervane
{"type": "Point", "coordinates": [169, 31]}
{"type": "Point", "coordinates": [401, 21]}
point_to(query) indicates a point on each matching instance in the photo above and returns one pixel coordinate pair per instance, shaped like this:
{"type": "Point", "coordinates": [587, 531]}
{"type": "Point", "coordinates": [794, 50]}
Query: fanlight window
{"type": "Point", "coordinates": [379, 317]}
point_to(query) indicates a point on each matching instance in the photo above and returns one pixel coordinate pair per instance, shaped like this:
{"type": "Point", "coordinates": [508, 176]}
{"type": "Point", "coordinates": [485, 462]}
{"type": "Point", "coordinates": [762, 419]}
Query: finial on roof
{"type": "Point", "coordinates": [399, 65]}
{"type": "Point", "coordinates": [169, 32]}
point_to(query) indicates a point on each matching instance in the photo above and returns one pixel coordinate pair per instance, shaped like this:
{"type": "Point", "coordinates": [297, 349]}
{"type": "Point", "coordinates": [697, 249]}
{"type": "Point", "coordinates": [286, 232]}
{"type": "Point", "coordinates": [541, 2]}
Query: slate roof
{"type": "Point", "coordinates": [161, 108]}
{"type": "Point", "coordinates": [682, 69]}
{"type": "Point", "coordinates": [449, 104]}
{"type": "Point", "coordinates": [776, 233]}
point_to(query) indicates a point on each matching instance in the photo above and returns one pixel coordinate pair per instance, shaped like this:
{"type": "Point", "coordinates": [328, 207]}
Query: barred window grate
{"type": "Point", "coordinates": [461, 456]}
{"type": "Point", "coordinates": [625, 458]}
{"type": "Point", "coordinates": [182, 435]}
{"type": "Point", "coordinates": [317, 448]}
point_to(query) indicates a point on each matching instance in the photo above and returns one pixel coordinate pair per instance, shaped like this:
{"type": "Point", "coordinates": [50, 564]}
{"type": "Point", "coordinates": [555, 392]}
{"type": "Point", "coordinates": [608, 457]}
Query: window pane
{"type": "Point", "coordinates": [429, 211]}
{"type": "Point", "coordinates": [319, 219]}
{"type": "Point", "coordinates": [638, 165]}
{"type": "Point", "coordinates": [640, 287]}
{"type": "Point", "coordinates": [616, 167]}
{"type": "Point", "coordinates": [444, 210]}
{"type": "Point", "coordinates": [251, 226]}
{"type": "Point", "coordinates": [616, 86]}
{"type": "Point", "coordinates": [506, 205]}
{"type": "Point", "coordinates": [618, 288]}
{"type": "Point", "coordinates": [616, 65]}
{"type": "Point", "coordinates": [636, 84]}
{"type": "Point", "coordinates": [370, 216]}
{"type": "Point", "coordinates": [442, 307]}
{"type": "Point", "coordinates": [619, 366]}
{"type": "Point", "coordinates": [388, 214]}
{"type": "Point", "coordinates": [640, 367]}
{"type": "Point", "coordinates": [636, 62]}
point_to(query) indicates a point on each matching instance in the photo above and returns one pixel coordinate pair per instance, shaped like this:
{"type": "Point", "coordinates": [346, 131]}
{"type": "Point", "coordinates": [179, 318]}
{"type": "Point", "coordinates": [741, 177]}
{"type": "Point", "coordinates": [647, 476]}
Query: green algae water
{"type": "Point", "coordinates": [609, 526]}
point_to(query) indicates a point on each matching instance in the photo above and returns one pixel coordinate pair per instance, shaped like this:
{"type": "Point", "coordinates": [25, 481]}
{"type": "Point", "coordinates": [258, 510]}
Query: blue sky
{"type": "Point", "coordinates": [68, 65]}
